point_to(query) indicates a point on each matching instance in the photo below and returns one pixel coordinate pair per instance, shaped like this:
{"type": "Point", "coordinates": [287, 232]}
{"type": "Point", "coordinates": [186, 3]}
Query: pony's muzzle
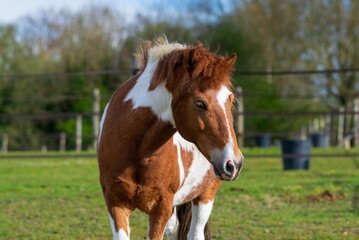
{"type": "Point", "coordinates": [226, 165]}
{"type": "Point", "coordinates": [231, 169]}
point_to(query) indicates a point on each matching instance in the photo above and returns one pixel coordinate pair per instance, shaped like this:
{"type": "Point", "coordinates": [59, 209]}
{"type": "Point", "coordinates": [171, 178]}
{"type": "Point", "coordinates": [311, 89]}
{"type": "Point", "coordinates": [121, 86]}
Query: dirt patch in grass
{"type": "Point", "coordinates": [236, 189]}
{"type": "Point", "coordinates": [324, 196]}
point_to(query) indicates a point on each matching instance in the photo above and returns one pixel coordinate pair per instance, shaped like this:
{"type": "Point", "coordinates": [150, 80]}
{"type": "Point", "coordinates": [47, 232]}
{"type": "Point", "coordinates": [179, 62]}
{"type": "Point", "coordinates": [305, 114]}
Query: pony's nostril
{"type": "Point", "coordinates": [229, 167]}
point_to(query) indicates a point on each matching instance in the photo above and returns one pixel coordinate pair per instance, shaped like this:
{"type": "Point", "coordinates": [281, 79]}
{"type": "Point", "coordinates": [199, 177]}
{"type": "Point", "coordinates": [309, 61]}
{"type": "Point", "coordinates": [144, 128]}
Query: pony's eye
{"type": "Point", "coordinates": [200, 105]}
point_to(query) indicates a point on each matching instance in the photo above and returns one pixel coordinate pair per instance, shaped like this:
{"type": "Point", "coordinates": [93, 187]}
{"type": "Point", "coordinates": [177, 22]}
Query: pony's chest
{"type": "Point", "coordinates": [199, 177]}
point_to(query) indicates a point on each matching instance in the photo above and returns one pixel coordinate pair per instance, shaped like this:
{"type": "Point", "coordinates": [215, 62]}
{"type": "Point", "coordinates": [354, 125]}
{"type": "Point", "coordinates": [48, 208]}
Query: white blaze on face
{"type": "Point", "coordinates": [228, 151]}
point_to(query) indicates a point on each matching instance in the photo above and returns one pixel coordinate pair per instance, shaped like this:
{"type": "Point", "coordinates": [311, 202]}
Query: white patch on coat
{"type": "Point", "coordinates": [121, 234]}
{"type": "Point", "coordinates": [177, 141]}
{"type": "Point", "coordinates": [196, 172]}
{"type": "Point", "coordinates": [200, 216]}
{"type": "Point", "coordinates": [172, 226]}
{"type": "Point", "coordinates": [158, 100]}
{"type": "Point", "coordinates": [102, 122]}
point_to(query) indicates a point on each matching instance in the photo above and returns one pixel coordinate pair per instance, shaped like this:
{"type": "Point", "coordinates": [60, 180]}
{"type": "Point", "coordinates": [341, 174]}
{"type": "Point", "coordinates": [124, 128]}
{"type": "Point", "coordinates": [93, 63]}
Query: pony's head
{"type": "Point", "coordinates": [201, 103]}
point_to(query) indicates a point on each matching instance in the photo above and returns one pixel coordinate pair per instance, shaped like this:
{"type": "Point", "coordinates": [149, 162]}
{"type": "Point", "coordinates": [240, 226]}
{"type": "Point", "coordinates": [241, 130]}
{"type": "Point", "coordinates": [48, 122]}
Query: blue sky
{"type": "Point", "coordinates": [11, 10]}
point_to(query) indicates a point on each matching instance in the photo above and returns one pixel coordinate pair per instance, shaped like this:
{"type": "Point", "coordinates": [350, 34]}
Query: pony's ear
{"type": "Point", "coordinates": [189, 60]}
{"type": "Point", "coordinates": [229, 61]}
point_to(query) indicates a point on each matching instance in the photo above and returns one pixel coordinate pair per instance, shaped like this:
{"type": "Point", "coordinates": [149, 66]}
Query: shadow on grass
{"type": "Point", "coordinates": [356, 162]}
{"type": "Point", "coordinates": [355, 200]}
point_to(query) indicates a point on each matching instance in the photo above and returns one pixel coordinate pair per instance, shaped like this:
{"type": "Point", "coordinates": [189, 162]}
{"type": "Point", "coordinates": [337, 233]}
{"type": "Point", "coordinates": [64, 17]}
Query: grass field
{"type": "Point", "coordinates": [61, 199]}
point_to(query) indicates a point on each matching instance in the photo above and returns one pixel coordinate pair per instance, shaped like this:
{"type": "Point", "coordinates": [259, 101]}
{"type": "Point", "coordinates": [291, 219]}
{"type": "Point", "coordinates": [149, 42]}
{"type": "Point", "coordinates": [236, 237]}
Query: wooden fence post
{"type": "Point", "coordinates": [347, 120]}
{"type": "Point", "coordinates": [43, 148]}
{"type": "Point", "coordinates": [62, 147]}
{"type": "Point", "coordinates": [332, 132]}
{"type": "Point", "coordinates": [346, 143]}
{"type": "Point", "coordinates": [5, 142]}
{"type": "Point", "coordinates": [322, 124]}
{"type": "Point", "coordinates": [327, 128]}
{"type": "Point", "coordinates": [328, 122]}
{"type": "Point", "coordinates": [240, 117]}
{"type": "Point", "coordinates": [356, 122]}
{"type": "Point", "coordinates": [340, 137]}
{"type": "Point", "coordinates": [96, 116]}
{"type": "Point", "coordinates": [308, 129]}
{"type": "Point", "coordinates": [78, 133]}
{"type": "Point", "coordinates": [303, 133]}
{"type": "Point", "coordinates": [316, 125]}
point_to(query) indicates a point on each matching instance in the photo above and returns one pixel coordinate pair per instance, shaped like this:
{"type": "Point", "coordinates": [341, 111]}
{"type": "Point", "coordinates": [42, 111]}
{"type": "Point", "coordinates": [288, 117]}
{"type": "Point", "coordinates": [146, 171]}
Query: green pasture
{"type": "Point", "coordinates": [43, 198]}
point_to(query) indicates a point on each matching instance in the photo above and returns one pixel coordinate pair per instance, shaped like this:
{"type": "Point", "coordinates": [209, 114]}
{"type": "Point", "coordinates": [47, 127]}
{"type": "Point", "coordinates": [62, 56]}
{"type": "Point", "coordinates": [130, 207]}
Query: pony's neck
{"type": "Point", "coordinates": [160, 127]}
{"type": "Point", "coordinates": [155, 136]}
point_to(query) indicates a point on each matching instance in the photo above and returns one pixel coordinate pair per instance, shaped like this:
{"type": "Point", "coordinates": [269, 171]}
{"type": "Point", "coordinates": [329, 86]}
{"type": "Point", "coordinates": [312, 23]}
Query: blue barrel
{"type": "Point", "coordinates": [319, 140]}
{"type": "Point", "coordinates": [263, 140]}
{"type": "Point", "coordinates": [296, 149]}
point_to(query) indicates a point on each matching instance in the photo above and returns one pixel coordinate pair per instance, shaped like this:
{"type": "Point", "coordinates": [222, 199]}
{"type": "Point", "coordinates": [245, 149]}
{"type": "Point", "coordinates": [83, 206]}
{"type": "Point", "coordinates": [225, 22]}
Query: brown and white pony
{"type": "Point", "coordinates": [167, 139]}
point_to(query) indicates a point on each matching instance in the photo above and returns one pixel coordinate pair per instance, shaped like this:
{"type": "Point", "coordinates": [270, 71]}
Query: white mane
{"type": "Point", "coordinates": [158, 51]}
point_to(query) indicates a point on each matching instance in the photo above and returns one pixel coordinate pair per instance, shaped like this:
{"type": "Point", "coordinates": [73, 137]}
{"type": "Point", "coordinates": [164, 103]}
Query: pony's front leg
{"type": "Point", "coordinates": [119, 220]}
{"type": "Point", "coordinates": [172, 226]}
{"type": "Point", "coordinates": [200, 215]}
{"type": "Point", "coordinates": [158, 218]}
{"type": "Point", "coordinates": [201, 210]}
{"type": "Point", "coordinates": [119, 200]}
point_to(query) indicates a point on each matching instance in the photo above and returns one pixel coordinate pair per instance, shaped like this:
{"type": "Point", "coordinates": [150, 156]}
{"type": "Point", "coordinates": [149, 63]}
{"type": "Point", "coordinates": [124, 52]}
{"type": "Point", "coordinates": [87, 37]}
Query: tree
{"type": "Point", "coordinates": [8, 48]}
{"type": "Point", "coordinates": [275, 27]}
{"type": "Point", "coordinates": [60, 41]}
{"type": "Point", "coordinates": [333, 36]}
{"type": "Point", "coordinates": [307, 35]}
